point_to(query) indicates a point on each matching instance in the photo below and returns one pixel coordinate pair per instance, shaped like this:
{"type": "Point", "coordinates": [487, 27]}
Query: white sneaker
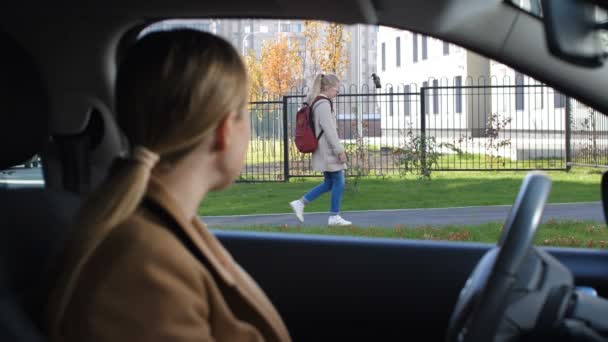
{"type": "Point", "coordinates": [298, 209]}
{"type": "Point", "coordinates": [337, 220]}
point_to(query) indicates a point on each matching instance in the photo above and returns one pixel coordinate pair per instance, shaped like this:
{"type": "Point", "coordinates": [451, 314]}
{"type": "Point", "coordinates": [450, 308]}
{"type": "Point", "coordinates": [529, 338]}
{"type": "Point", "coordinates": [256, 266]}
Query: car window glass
{"type": "Point", "coordinates": [434, 136]}
{"type": "Point", "coordinates": [26, 175]}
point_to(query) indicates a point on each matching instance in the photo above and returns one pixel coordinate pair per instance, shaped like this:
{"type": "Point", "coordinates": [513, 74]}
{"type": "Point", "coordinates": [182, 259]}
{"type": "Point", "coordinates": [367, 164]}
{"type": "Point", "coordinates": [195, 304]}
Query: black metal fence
{"type": "Point", "coordinates": [589, 136]}
{"type": "Point", "coordinates": [265, 159]}
{"type": "Point", "coordinates": [409, 129]}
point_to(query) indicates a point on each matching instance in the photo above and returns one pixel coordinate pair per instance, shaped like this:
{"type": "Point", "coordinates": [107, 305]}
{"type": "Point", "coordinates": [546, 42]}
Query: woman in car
{"type": "Point", "coordinates": [143, 267]}
{"type": "Point", "coordinates": [329, 157]}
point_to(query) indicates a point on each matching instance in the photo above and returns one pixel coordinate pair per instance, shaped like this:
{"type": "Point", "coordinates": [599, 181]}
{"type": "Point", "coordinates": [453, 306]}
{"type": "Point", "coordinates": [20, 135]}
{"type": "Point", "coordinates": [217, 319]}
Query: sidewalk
{"type": "Point", "coordinates": [416, 217]}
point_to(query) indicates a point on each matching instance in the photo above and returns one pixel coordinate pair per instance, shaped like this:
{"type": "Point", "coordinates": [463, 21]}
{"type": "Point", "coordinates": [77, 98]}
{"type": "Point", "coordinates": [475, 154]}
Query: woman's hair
{"type": "Point", "coordinates": [320, 84]}
{"type": "Point", "coordinates": [172, 90]}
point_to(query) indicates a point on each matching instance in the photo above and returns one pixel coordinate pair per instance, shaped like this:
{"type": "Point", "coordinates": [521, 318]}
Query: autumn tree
{"type": "Point", "coordinates": [335, 57]}
{"type": "Point", "coordinates": [313, 53]}
{"type": "Point", "coordinates": [326, 48]}
{"type": "Point", "coordinates": [254, 69]}
{"type": "Point", "coordinates": [281, 65]}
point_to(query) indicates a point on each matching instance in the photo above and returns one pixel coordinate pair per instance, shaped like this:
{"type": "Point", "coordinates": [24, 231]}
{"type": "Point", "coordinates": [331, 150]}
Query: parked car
{"type": "Point", "coordinates": [33, 162]}
{"type": "Point", "coordinates": [58, 68]}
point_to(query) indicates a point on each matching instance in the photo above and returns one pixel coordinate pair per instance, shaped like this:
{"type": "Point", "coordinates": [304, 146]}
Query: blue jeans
{"type": "Point", "coordinates": [334, 181]}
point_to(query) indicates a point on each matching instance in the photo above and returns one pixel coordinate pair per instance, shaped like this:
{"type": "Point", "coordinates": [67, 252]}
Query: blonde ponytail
{"type": "Point", "coordinates": [103, 210]}
{"type": "Point", "coordinates": [315, 90]}
{"type": "Point", "coordinates": [320, 84]}
{"type": "Point", "coordinates": [109, 207]}
{"type": "Point", "coordinates": [172, 90]}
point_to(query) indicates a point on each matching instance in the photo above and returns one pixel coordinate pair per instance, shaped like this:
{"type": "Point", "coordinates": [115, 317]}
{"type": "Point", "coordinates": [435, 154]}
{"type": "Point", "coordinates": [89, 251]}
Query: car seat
{"type": "Point", "coordinates": [35, 222]}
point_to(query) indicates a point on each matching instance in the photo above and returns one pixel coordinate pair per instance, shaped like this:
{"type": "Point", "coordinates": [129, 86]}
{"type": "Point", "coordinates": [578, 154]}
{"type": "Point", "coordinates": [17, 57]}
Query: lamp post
{"type": "Point", "coordinates": [244, 40]}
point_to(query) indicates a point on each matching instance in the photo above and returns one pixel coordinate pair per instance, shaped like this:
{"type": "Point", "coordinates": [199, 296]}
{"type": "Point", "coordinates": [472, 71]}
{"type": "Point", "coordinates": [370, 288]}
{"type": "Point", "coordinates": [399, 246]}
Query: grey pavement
{"type": "Point", "coordinates": [415, 217]}
{"type": "Point", "coordinates": [31, 177]}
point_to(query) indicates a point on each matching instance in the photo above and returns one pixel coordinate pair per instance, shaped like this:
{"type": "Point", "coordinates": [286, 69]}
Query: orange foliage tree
{"type": "Point", "coordinates": [281, 65]}
{"type": "Point", "coordinates": [254, 69]}
{"type": "Point", "coordinates": [335, 59]}
{"type": "Point", "coordinates": [313, 53]}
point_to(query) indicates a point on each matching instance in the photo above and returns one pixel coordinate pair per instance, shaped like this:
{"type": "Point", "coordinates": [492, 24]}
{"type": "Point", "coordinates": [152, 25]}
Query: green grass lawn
{"type": "Point", "coordinates": [585, 234]}
{"type": "Point", "coordinates": [446, 189]}
{"type": "Point", "coordinates": [482, 161]}
{"type": "Point", "coordinates": [264, 151]}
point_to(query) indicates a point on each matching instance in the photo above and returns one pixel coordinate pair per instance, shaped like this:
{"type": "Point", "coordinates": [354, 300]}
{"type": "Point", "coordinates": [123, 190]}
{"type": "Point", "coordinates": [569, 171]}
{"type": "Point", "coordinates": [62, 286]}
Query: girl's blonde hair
{"type": "Point", "coordinates": [321, 83]}
{"type": "Point", "coordinates": [172, 90]}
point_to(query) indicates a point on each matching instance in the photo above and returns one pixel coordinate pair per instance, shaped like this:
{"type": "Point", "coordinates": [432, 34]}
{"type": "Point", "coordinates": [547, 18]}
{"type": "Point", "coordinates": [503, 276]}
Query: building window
{"type": "Point", "coordinates": [458, 93]}
{"type": "Point", "coordinates": [424, 47]}
{"type": "Point", "coordinates": [296, 27]}
{"type": "Point", "coordinates": [406, 107]}
{"type": "Point", "coordinates": [284, 28]}
{"type": "Point", "coordinates": [415, 47]}
{"type": "Point", "coordinates": [398, 48]}
{"type": "Point", "coordinates": [427, 98]}
{"type": "Point", "coordinates": [446, 48]}
{"type": "Point", "coordinates": [383, 56]}
{"type": "Point", "coordinates": [519, 92]}
{"type": "Point", "coordinates": [435, 97]}
{"type": "Point", "coordinates": [559, 100]}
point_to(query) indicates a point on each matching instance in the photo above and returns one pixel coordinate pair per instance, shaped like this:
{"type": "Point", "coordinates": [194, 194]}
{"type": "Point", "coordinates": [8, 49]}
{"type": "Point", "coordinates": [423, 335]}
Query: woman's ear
{"type": "Point", "coordinates": [220, 136]}
{"type": "Point", "coordinates": [223, 131]}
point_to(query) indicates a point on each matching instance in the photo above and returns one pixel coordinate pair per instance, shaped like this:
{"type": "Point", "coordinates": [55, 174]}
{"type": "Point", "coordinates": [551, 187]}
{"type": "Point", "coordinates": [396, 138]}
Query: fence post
{"type": "Point", "coordinates": [568, 134]}
{"type": "Point", "coordinates": [285, 141]}
{"type": "Point", "coordinates": [423, 105]}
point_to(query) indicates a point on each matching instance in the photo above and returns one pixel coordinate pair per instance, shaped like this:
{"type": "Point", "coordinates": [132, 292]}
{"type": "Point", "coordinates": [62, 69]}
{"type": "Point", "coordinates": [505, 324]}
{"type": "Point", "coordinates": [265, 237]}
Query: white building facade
{"type": "Point", "coordinates": [468, 95]}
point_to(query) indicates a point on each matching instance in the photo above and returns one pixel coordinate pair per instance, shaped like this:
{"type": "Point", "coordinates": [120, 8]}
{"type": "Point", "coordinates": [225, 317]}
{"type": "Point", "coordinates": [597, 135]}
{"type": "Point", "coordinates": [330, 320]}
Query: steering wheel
{"type": "Point", "coordinates": [484, 298]}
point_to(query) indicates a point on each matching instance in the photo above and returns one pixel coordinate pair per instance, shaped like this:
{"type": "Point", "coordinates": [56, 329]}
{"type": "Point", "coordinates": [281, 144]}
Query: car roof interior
{"type": "Point", "coordinates": [79, 68]}
{"type": "Point", "coordinates": [59, 63]}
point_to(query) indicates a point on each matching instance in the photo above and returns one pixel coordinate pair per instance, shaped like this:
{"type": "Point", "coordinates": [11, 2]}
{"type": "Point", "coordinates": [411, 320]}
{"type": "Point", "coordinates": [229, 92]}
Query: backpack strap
{"type": "Point", "coordinates": [317, 99]}
{"type": "Point", "coordinates": [320, 134]}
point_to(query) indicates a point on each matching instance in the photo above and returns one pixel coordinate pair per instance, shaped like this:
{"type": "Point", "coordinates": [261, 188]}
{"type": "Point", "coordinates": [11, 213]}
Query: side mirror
{"type": "Point", "coordinates": [572, 31]}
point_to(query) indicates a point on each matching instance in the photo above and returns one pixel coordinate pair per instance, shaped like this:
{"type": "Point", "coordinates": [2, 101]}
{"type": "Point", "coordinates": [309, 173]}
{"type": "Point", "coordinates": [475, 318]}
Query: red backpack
{"type": "Point", "coordinates": [306, 139]}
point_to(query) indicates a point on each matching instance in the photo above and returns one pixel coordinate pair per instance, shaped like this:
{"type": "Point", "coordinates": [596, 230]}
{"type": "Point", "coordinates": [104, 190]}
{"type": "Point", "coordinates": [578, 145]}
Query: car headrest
{"type": "Point", "coordinates": [96, 146]}
{"type": "Point", "coordinates": [24, 105]}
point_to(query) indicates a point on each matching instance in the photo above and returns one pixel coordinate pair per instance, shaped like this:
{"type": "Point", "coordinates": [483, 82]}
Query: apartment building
{"type": "Point", "coordinates": [460, 92]}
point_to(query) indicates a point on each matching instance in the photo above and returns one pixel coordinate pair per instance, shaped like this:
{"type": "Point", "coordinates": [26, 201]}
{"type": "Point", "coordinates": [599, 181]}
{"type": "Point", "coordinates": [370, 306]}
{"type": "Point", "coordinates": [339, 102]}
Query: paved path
{"type": "Point", "coordinates": [24, 177]}
{"type": "Point", "coordinates": [416, 217]}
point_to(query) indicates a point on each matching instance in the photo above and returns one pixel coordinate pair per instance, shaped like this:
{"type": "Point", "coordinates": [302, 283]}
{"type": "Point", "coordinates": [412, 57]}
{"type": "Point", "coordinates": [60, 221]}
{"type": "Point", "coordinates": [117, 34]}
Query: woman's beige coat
{"type": "Point", "coordinates": [326, 156]}
{"type": "Point", "coordinates": [143, 284]}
